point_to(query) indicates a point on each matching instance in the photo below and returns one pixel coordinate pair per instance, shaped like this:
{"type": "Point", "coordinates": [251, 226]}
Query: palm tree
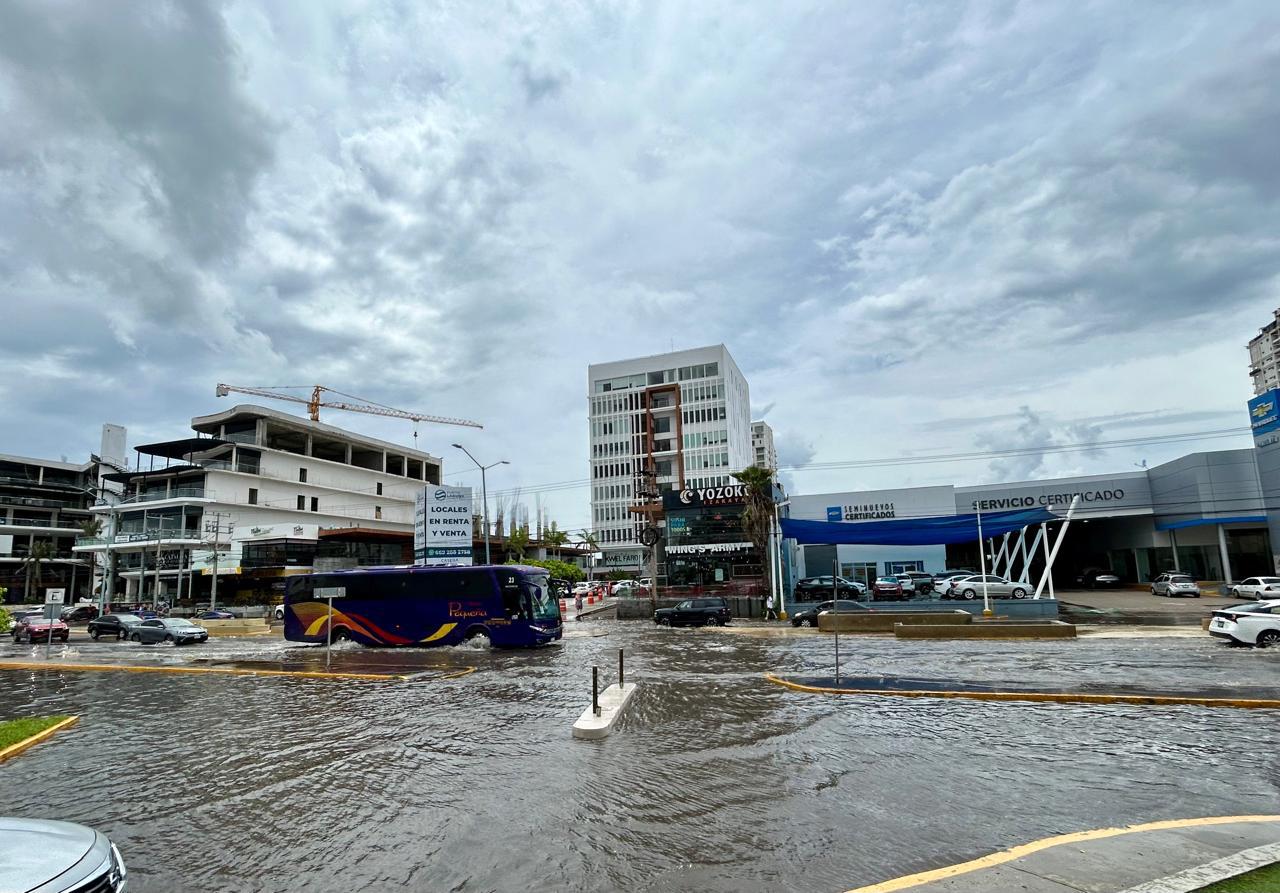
{"type": "Point", "coordinates": [91, 527]}
{"type": "Point", "coordinates": [518, 541]}
{"type": "Point", "coordinates": [592, 543]}
{"type": "Point", "coordinates": [757, 517]}
{"type": "Point", "coordinates": [41, 552]}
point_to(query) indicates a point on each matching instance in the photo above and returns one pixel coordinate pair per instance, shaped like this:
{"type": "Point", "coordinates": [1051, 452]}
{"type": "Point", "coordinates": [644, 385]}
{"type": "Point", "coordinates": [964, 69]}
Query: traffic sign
{"type": "Point", "coordinates": [54, 596]}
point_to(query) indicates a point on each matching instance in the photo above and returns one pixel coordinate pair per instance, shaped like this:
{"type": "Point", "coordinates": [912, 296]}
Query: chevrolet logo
{"type": "Point", "coordinates": [1263, 408]}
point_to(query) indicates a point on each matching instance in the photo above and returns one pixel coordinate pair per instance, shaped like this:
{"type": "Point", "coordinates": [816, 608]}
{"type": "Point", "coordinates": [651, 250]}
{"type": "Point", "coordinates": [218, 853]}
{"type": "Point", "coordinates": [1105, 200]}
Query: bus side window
{"type": "Point", "coordinates": [511, 600]}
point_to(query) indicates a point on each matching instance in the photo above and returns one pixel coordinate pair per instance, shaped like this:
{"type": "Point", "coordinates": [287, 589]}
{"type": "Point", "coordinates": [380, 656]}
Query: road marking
{"type": "Point", "coordinates": [1040, 696]}
{"type": "Point", "coordinates": [14, 749]}
{"type": "Point", "coordinates": [224, 671]}
{"type": "Point", "coordinates": [1035, 846]}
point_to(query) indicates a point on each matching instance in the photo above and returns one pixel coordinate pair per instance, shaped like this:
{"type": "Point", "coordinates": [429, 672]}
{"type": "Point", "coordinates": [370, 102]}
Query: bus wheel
{"type": "Point", "coordinates": [341, 634]}
{"type": "Point", "coordinates": [479, 636]}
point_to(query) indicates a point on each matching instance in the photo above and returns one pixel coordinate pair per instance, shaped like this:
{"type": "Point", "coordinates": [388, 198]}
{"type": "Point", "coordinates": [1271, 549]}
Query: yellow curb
{"type": "Point", "coordinates": [14, 749]}
{"type": "Point", "coordinates": [224, 671]}
{"type": "Point", "coordinates": [1035, 846]}
{"type": "Point", "coordinates": [1042, 696]}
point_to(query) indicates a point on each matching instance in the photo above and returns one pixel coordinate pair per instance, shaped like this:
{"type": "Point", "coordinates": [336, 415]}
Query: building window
{"type": "Point", "coordinates": [315, 503]}
{"type": "Point", "coordinates": [302, 503]}
{"type": "Point", "coordinates": [302, 475]}
{"type": "Point", "coordinates": [253, 496]}
{"type": "Point", "coordinates": [377, 512]}
{"type": "Point", "coordinates": [379, 489]}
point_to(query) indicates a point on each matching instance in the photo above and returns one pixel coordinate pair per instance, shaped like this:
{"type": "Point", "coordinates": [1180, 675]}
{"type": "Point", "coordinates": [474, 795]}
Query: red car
{"type": "Point", "coordinates": [887, 589]}
{"type": "Point", "coordinates": [36, 628]}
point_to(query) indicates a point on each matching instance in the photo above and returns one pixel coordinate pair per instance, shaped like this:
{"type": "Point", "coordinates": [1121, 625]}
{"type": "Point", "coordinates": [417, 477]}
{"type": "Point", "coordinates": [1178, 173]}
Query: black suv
{"type": "Point", "coordinates": [694, 612]}
{"type": "Point", "coordinates": [810, 614]}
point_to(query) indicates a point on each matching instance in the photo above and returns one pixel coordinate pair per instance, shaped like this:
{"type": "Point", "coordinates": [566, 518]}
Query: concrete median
{"type": "Point", "coordinates": [886, 622]}
{"type": "Point", "coordinates": [988, 629]}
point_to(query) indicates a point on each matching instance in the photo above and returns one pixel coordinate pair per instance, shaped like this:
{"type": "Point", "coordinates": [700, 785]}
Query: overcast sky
{"type": "Point", "coordinates": [920, 228]}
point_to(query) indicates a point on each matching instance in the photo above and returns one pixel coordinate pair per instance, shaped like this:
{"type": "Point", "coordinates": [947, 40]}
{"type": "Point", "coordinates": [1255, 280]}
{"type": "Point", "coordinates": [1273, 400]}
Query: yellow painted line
{"type": "Point", "coordinates": [223, 671]}
{"type": "Point", "coordinates": [1041, 696]}
{"type": "Point", "coordinates": [937, 874]}
{"type": "Point", "coordinates": [465, 671]}
{"type": "Point", "coordinates": [14, 749]}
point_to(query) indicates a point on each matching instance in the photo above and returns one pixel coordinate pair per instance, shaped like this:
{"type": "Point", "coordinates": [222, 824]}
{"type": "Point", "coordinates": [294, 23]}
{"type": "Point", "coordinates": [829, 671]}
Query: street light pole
{"type": "Point", "coordinates": [484, 496]}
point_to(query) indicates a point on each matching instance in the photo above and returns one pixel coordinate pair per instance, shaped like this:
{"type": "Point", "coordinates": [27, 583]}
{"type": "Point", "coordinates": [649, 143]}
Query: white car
{"type": "Point", "coordinates": [1257, 623]}
{"type": "Point", "coordinates": [582, 586]}
{"type": "Point", "coordinates": [1174, 585]}
{"type": "Point", "coordinates": [1256, 587]}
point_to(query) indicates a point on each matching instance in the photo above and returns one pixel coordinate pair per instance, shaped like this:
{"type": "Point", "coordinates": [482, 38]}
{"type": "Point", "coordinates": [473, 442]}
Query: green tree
{"type": "Point", "coordinates": [91, 527]}
{"type": "Point", "coordinates": [561, 570]}
{"type": "Point", "coordinates": [757, 516]}
{"type": "Point", "coordinates": [33, 564]}
{"type": "Point", "coordinates": [517, 542]}
{"type": "Point", "coordinates": [554, 536]}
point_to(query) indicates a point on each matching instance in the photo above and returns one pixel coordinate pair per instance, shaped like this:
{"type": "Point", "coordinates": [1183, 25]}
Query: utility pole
{"type": "Point", "coordinates": [217, 540]}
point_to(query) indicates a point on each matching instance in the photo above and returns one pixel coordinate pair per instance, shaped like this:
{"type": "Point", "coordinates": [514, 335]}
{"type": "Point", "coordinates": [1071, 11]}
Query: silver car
{"type": "Point", "coordinates": [58, 857]}
{"type": "Point", "coordinates": [1174, 585]}
{"type": "Point", "coordinates": [970, 588]}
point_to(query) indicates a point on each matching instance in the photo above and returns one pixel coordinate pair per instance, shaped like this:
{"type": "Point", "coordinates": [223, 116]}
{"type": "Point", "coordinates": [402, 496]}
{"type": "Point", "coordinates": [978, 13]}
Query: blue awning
{"type": "Point", "coordinates": [1200, 522]}
{"type": "Point", "coordinates": [912, 531]}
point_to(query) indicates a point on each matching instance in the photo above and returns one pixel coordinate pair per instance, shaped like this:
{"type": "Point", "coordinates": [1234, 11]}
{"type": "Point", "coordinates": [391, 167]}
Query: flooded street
{"type": "Point", "coordinates": [715, 779]}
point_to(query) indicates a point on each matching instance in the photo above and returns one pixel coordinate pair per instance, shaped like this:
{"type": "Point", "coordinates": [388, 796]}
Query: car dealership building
{"type": "Point", "coordinates": [1202, 514]}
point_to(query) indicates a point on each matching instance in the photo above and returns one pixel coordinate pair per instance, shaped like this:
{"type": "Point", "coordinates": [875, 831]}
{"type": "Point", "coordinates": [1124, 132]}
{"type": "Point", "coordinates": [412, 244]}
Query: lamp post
{"type": "Point", "coordinates": [484, 495]}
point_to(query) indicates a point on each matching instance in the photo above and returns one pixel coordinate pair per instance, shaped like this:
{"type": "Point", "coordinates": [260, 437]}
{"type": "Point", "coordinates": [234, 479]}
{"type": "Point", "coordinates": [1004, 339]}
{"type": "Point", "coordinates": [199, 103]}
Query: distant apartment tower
{"type": "Point", "coordinates": [673, 421]}
{"type": "Point", "coordinates": [1264, 357]}
{"type": "Point", "coordinates": [762, 446]}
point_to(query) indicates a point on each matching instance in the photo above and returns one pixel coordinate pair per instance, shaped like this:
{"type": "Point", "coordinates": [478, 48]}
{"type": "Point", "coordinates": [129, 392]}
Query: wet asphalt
{"type": "Point", "coordinates": [715, 780]}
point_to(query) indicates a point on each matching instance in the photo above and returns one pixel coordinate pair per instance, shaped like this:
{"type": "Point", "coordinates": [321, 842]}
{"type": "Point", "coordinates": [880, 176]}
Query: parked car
{"type": "Point", "coordinates": [809, 615]}
{"type": "Point", "coordinates": [1256, 623]}
{"type": "Point", "coordinates": [582, 586]}
{"type": "Point", "coordinates": [58, 857]}
{"type": "Point", "coordinates": [887, 589]}
{"type": "Point", "coordinates": [79, 613]}
{"type": "Point", "coordinates": [1256, 587]}
{"type": "Point", "coordinates": [969, 588]}
{"type": "Point", "coordinates": [1174, 585]}
{"type": "Point", "coordinates": [35, 627]}
{"type": "Point", "coordinates": [1098, 578]}
{"type": "Point", "coordinates": [908, 585]}
{"type": "Point", "coordinates": [942, 582]}
{"type": "Point", "coordinates": [694, 612]}
{"type": "Point", "coordinates": [278, 613]}
{"type": "Point", "coordinates": [809, 588]}
{"type": "Point", "coordinates": [175, 630]}
{"type": "Point", "coordinates": [630, 589]}
{"type": "Point", "coordinates": [922, 583]}
{"type": "Point", "coordinates": [217, 614]}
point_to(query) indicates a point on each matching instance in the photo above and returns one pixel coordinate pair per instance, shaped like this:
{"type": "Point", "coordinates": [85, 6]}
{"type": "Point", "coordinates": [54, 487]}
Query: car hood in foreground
{"type": "Point", "coordinates": [34, 852]}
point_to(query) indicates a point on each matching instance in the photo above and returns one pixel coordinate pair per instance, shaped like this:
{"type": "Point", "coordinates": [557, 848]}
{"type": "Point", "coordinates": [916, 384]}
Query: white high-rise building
{"type": "Point", "coordinates": [1264, 357]}
{"type": "Point", "coordinates": [766, 456]}
{"type": "Point", "coordinates": [685, 416]}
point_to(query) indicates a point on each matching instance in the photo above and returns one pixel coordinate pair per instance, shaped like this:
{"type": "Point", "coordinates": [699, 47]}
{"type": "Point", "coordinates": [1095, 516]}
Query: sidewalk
{"type": "Point", "coordinates": [1175, 856]}
{"type": "Point", "coordinates": [608, 604]}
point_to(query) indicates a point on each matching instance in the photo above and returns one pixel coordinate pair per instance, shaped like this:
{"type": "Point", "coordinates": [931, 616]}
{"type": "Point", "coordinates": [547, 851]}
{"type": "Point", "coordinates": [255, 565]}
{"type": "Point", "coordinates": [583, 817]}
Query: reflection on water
{"type": "Point", "coordinates": [715, 779]}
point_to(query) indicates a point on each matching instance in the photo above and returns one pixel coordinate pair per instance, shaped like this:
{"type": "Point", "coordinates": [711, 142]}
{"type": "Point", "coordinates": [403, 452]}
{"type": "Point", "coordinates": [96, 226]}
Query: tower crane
{"type": "Point", "coordinates": [359, 404]}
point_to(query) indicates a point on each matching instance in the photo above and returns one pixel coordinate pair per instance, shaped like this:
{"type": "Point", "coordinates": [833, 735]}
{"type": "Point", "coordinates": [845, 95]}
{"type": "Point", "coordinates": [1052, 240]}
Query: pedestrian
{"type": "Point", "coordinates": [577, 604]}
{"type": "Point", "coordinates": [771, 609]}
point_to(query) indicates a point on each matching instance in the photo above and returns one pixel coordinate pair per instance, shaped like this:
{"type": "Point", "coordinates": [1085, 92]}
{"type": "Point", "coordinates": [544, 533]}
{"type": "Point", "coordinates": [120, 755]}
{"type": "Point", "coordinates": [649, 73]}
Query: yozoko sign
{"type": "Point", "coordinates": [867, 511]}
{"type": "Point", "coordinates": [442, 526]}
{"type": "Point", "coordinates": [734, 494]}
{"type": "Point", "coordinates": [1045, 500]}
{"type": "Point", "coordinates": [1264, 418]}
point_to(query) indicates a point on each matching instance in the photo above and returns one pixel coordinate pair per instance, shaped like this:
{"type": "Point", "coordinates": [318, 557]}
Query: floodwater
{"type": "Point", "coordinates": [715, 780]}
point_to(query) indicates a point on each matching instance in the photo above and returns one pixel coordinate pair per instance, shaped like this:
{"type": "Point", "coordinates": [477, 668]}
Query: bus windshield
{"type": "Point", "coordinates": [546, 606]}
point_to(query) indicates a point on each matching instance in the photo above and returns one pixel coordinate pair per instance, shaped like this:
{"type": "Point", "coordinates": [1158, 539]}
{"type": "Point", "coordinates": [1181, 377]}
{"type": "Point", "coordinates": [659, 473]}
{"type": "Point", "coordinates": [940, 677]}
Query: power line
{"type": "Point", "coordinates": [971, 456]}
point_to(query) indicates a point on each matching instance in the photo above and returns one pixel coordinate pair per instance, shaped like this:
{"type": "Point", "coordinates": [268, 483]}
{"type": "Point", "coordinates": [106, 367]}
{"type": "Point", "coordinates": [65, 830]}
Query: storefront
{"type": "Point", "coordinates": [705, 544]}
{"type": "Point", "coordinates": [1201, 514]}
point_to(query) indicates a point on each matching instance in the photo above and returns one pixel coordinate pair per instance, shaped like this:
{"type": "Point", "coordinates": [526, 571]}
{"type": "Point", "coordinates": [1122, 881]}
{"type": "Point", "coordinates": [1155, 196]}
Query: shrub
{"type": "Point", "coordinates": [5, 621]}
{"type": "Point", "coordinates": [562, 570]}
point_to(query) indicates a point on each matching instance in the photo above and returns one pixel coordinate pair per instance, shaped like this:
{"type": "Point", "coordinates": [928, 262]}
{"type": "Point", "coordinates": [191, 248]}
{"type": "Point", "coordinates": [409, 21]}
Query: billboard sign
{"type": "Point", "coordinates": [442, 527]}
{"type": "Point", "coordinates": [1264, 418]}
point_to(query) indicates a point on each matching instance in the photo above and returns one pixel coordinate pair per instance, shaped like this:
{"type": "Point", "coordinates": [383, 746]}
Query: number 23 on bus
{"type": "Point", "coordinates": [512, 605]}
